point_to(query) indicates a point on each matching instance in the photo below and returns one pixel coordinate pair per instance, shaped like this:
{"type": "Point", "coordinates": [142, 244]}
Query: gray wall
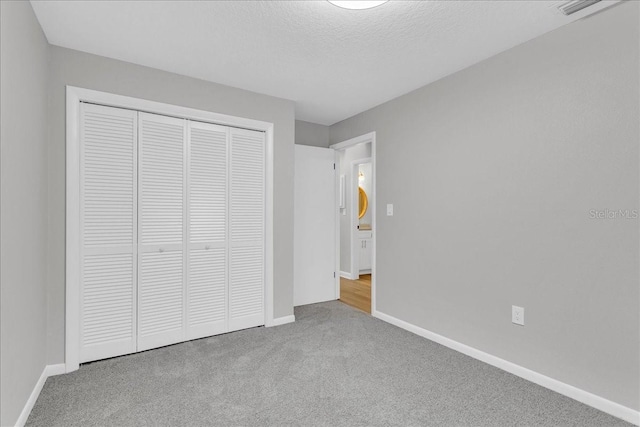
{"type": "Point", "coordinates": [312, 134]}
{"type": "Point", "coordinates": [69, 67]}
{"type": "Point", "coordinates": [23, 196]}
{"type": "Point", "coordinates": [493, 172]}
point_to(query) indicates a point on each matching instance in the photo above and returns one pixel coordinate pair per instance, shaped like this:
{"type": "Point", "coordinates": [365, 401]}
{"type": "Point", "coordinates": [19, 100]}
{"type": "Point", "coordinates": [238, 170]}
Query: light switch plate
{"type": "Point", "coordinates": [389, 209]}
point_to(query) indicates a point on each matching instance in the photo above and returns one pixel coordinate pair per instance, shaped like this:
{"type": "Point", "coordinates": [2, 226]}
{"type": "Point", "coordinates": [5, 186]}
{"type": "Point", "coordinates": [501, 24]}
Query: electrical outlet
{"type": "Point", "coordinates": [389, 209]}
{"type": "Point", "coordinates": [517, 315]}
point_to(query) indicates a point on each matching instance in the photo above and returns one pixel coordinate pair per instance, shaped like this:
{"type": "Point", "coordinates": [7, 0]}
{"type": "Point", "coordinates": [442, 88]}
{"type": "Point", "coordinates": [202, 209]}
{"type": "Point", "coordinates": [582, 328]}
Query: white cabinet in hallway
{"type": "Point", "coordinates": [365, 253]}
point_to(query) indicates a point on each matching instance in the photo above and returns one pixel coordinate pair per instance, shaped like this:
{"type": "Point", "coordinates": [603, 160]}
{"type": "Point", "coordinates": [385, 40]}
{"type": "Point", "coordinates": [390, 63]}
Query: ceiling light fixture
{"type": "Point", "coordinates": [357, 4]}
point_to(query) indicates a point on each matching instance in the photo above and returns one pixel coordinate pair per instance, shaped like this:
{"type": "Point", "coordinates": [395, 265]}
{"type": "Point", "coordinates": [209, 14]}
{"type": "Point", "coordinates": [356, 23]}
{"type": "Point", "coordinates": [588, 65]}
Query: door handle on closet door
{"type": "Point", "coordinates": [207, 247]}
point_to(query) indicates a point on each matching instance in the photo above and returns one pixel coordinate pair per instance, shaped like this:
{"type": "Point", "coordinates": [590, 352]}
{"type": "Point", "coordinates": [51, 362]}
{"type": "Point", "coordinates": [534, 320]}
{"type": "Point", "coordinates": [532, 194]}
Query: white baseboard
{"type": "Point", "coordinates": [48, 371]}
{"type": "Point", "coordinates": [348, 275]}
{"type": "Point", "coordinates": [53, 370]}
{"type": "Point", "coordinates": [600, 403]}
{"type": "Point", "coordinates": [283, 320]}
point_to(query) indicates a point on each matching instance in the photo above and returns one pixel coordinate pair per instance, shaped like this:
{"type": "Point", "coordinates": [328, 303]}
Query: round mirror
{"type": "Point", "coordinates": [363, 202]}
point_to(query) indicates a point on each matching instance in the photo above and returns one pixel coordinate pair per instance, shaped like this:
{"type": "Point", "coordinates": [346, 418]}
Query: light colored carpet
{"type": "Point", "coordinates": [335, 366]}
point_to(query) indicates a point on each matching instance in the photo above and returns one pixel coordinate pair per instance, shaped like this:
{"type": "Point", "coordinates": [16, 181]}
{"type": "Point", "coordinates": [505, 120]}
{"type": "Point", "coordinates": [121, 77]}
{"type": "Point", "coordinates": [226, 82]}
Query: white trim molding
{"type": "Point", "coordinates": [48, 371]}
{"type": "Point", "coordinates": [367, 137]}
{"type": "Point", "coordinates": [283, 320]}
{"type": "Point", "coordinates": [339, 194]}
{"type": "Point", "coordinates": [58, 369]}
{"type": "Point", "coordinates": [590, 399]}
{"type": "Point", "coordinates": [76, 95]}
{"type": "Point", "coordinates": [348, 275]}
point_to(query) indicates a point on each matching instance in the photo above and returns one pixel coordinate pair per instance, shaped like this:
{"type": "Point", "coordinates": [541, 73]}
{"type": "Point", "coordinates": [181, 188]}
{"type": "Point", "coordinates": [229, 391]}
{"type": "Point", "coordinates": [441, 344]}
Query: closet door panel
{"type": "Point", "coordinates": [247, 201]}
{"type": "Point", "coordinates": [246, 287]}
{"type": "Point", "coordinates": [161, 179]}
{"type": "Point", "coordinates": [207, 183]}
{"type": "Point", "coordinates": [207, 293]}
{"type": "Point", "coordinates": [161, 278]}
{"type": "Point", "coordinates": [107, 306]}
{"type": "Point", "coordinates": [160, 309]}
{"type": "Point", "coordinates": [108, 231]}
{"type": "Point", "coordinates": [208, 239]}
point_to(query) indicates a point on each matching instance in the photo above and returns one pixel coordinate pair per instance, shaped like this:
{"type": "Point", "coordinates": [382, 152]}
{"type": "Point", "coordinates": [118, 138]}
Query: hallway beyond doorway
{"type": "Point", "coordinates": [357, 293]}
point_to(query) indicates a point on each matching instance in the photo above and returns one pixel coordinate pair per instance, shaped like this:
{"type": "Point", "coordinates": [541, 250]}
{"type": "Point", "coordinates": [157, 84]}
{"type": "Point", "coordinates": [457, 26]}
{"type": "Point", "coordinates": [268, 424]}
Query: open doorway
{"type": "Point", "coordinates": [356, 224]}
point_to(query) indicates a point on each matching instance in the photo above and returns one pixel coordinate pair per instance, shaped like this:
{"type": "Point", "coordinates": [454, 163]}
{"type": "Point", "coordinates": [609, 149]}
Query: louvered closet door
{"type": "Point", "coordinates": [107, 231]}
{"type": "Point", "coordinates": [161, 206]}
{"type": "Point", "coordinates": [208, 240]}
{"type": "Point", "coordinates": [247, 201]}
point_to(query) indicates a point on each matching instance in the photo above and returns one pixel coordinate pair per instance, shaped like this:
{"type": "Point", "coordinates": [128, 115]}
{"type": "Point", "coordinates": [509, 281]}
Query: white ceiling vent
{"type": "Point", "coordinates": [579, 9]}
{"type": "Point", "coordinates": [576, 6]}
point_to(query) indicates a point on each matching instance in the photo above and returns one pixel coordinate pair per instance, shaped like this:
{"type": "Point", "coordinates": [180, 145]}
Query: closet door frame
{"type": "Point", "coordinates": [76, 95]}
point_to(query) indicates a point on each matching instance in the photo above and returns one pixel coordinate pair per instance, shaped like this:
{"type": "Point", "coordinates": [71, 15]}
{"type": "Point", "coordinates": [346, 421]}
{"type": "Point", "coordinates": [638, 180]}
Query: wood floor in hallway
{"type": "Point", "coordinates": [357, 293]}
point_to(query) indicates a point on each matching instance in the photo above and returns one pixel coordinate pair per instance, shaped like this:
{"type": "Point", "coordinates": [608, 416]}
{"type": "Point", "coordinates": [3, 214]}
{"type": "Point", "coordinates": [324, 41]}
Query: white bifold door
{"type": "Point", "coordinates": [108, 231]}
{"type": "Point", "coordinates": [208, 192]}
{"type": "Point", "coordinates": [161, 230]}
{"type": "Point", "coordinates": [246, 252]}
{"type": "Point", "coordinates": [172, 230]}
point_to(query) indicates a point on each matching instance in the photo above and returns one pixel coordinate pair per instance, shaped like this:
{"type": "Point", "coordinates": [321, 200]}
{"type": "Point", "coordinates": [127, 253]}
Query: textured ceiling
{"type": "Point", "coordinates": [332, 62]}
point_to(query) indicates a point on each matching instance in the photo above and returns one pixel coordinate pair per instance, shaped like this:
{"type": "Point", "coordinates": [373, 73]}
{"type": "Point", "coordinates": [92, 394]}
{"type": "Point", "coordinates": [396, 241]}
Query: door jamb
{"type": "Point", "coordinates": [336, 206]}
{"type": "Point", "coordinates": [369, 137]}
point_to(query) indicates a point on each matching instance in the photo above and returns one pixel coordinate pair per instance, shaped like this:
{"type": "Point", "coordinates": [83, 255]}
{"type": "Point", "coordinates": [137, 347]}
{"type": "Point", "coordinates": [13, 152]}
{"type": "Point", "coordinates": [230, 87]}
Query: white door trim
{"type": "Point", "coordinates": [337, 273]}
{"type": "Point", "coordinates": [76, 95]}
{"type": "Point", "coordinates": [369, 137]}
